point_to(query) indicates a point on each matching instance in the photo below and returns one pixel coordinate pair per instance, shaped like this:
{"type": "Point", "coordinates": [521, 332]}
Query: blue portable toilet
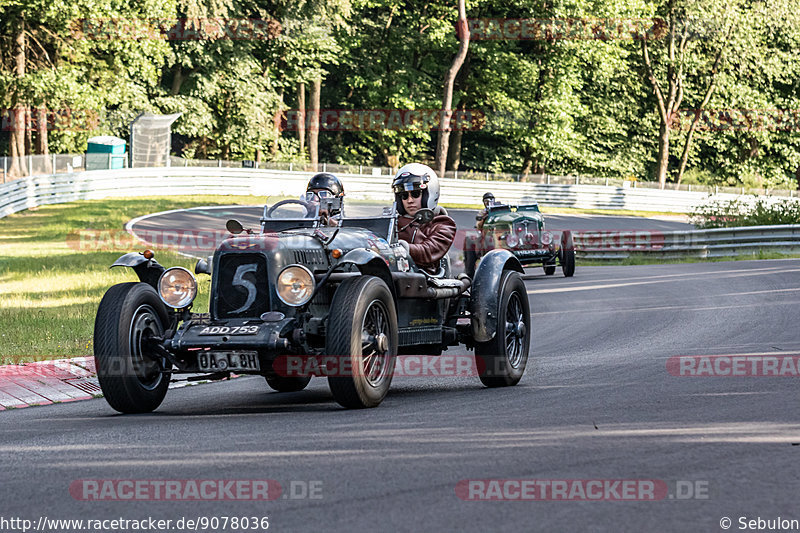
{"type": "Point", "coordinates": [105, 152]}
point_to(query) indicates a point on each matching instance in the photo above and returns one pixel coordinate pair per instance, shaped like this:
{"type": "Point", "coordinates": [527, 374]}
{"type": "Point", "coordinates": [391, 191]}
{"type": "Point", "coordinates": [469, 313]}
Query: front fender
{"type": "Point", "coordinates": [370, 263]}
{"type": "Point", "coordinates": [148, 270]}
{"type": "Point", "coordinates": [486, 292]}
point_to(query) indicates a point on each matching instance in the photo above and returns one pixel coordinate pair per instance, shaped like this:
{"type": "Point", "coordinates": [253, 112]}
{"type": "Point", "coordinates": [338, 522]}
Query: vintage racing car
{"type": "Point", "coordinates": [520, 229]}
{"type": "Point", "coordinates": [298, 287]}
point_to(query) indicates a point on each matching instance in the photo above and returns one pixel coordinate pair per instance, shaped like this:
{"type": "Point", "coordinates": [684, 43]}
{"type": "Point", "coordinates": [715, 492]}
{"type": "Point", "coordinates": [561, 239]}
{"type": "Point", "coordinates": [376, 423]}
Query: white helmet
{"type": "Point", "coordinates": [419, 177]}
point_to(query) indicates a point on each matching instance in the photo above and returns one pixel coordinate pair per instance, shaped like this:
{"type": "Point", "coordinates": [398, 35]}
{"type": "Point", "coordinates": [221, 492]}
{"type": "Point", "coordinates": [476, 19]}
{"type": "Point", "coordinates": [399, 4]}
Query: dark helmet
{"type": "Point", "coordinates": [488, 196]}
{"type": "Point", "coordinates": [327, 181]}
{"type": "Point", "coordinates": [416, 177]}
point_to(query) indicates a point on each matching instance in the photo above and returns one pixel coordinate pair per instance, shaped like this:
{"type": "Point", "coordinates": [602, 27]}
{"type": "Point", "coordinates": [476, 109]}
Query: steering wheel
{"type": "Point", "coordinates": [291, 201]}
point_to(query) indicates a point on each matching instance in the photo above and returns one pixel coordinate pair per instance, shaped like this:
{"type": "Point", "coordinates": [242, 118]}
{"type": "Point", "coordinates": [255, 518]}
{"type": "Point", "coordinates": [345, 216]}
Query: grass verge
{"type": "Point", "coordinates": [50, 289]}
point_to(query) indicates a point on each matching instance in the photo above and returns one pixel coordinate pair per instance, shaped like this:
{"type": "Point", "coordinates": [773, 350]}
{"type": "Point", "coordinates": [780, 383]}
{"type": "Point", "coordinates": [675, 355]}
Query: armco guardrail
{"type": "Point", "coordinates": [718, 242]}
{"type": "Point", "coordinates": [34, 191]}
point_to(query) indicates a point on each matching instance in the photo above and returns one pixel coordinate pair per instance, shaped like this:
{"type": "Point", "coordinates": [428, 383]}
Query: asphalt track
{"type": "Point", "coordinates": [181, 227]}
{"type": "Point", "coordinates": [597, 402]}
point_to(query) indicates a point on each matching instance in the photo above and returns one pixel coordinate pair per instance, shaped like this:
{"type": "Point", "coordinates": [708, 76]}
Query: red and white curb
{"type": "Point", "coordinates": [48, 382]}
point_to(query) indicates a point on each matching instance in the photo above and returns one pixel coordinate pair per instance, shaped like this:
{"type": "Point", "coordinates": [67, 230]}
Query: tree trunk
{"type": "Point", "coordinates": [392, 160]}
{"type": "Point", "coordinates": [443, 138]}
{"type": "Point", "coordinates": [663, 154]}
{"type": "Point", "coordinates": [670, 101]}
{"type": "Point", "coordinates": [41, 139]}
{"type": "Point", "coordinates": [277, 118]}
{"type": "Point", "coordinates": [797, 177]}
{"type": "Point", "coordinates": [527, 164]}
{"type": "Point", "coordinates": [301, 116]}
{"type": "Point", "coordinates": [177, 79]}
{"type": "Point", "coordinates": [699, 111]}
{"type": "Point", "coordinates": [454, 152]}
{"type": "Point", "coordinates": [18, 166]}
{"type": "Point", "coordinates": [313, 123]}
{"type": "Point", "coordinates": [28, 133]}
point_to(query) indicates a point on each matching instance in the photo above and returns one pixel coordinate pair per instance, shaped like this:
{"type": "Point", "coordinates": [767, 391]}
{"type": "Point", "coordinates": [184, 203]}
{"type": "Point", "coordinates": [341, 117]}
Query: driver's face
{"type": "Point", "coordinates": [316, 200]}
{"type": "Point", "coordinates": [412, 205]}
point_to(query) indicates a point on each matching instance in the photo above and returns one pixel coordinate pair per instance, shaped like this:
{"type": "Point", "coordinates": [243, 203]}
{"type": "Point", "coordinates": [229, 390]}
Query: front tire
{"type": "Point", "coordinates": [132, 378]}
{"type": "Point", "coordinates": [550, 268]}
{"type": "Point", "coordinates": [288, 383]}
{"type": "Point", "coordinates": [567, 254]}
{"type": "Point", "coordinates": [502, 360]}
{"type": "Point", "coordinates": [362, 334]}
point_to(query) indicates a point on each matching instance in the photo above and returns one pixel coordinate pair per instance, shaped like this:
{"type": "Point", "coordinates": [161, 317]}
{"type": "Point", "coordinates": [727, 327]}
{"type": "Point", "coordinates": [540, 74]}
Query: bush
{"type": "Point", "coordinates": [761, 211]}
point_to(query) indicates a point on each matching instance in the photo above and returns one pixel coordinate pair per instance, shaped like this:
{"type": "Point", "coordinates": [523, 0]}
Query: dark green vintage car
{"type": "Point", "coordinates": [520, 229]}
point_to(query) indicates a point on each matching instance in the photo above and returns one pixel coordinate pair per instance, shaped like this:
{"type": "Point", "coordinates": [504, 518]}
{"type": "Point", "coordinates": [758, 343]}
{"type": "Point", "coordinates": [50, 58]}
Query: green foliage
{"type": "Point", "coordinates": [756, 211]}
{"type": "Point", "coordinates": [558, 106]}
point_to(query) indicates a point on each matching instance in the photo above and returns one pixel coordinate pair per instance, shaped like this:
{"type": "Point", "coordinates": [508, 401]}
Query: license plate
{"type": "Point", "coordinates": [228, 330]}
{"type": "Point", "coordinates": [529, 252]}
{"type": "Point", "coordinates": [225, 361]}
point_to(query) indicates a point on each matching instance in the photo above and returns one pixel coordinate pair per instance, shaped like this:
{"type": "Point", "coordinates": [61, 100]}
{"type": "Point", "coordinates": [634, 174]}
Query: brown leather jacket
{"type": "Point", "coordinates": [429, 242]}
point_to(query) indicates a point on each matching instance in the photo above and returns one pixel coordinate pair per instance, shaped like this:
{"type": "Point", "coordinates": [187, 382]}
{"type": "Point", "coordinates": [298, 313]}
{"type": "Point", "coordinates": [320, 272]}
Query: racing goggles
{"type": "Point", "coordinates": [315, 196]}
{"type": "Point", "coordinates": [414, 194]}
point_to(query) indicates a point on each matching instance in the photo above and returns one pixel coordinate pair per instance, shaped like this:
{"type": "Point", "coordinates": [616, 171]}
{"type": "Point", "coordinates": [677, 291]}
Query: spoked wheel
{"type": "Point", "coordinates": [502, 360]}
{"type": "Point", "coordinates": [134, 379]}
{"type": "Point", "coordinates": [362, 333]}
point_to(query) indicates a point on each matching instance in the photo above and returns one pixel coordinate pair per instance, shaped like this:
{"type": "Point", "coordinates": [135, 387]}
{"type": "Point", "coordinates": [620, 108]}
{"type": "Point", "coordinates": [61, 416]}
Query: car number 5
{"type": "Point", "coordinates": [239, 281]}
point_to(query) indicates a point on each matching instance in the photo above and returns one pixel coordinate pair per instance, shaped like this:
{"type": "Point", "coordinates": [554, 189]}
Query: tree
{"type": "Point", "coordinates": [443, 137]}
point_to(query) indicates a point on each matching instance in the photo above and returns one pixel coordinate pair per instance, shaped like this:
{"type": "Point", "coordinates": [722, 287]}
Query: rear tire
{"type": "Point", "coordinates": [501, 361]}
{"type": "Point", "coordinates": [362, 333]}
{"type": "Point", "coordinates": [131, 380]}
{"type": "Point", "coordinates": [287, 383]}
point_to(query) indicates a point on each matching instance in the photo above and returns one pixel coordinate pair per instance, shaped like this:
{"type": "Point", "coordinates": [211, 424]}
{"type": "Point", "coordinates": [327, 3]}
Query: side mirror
{"type": "Point", "coordinates": [234, 226]}
{"type": "Point", "coordinates": [424, 215]}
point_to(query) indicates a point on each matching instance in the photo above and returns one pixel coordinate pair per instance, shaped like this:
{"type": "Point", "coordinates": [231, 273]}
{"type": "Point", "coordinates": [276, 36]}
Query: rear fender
{"type": "Point", "coordinates": [486, 292]}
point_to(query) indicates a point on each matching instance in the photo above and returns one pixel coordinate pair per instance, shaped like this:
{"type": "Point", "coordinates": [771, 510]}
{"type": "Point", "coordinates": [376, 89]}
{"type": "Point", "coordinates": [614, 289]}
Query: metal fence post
{"type": "Point", "coordinates": [30, 165]}
{"type": "Point", "coordinates": [606, 181]}
{"type": "Point", "coordinates": [324, 167]}
{"type": "Point", "coordinates": [576, 180]}
{"type": "Point", "coordinates": [53, 166]}
{"type": "Point", "coordinates": [487, 176]}
{"type": "Point", "coordinates": [360, 170]}
{"type": "Point", "coordinates": [5, 168]}
{"type": "Point", "coordinates": [547, 179]}
{"type": "Point", "coordinates": [455, 175]}
{"type": "Point", "coordinates": [290, 167]}
{"type": "Point", "coordinates": [219, 163]}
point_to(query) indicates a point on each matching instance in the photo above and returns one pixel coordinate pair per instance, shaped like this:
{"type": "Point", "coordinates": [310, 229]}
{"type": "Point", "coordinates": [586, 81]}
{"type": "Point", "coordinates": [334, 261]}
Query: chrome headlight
{"type": "Point", "coordinates": [177, 287]}
{"type": "Point", "coordinates": [295, 285]}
